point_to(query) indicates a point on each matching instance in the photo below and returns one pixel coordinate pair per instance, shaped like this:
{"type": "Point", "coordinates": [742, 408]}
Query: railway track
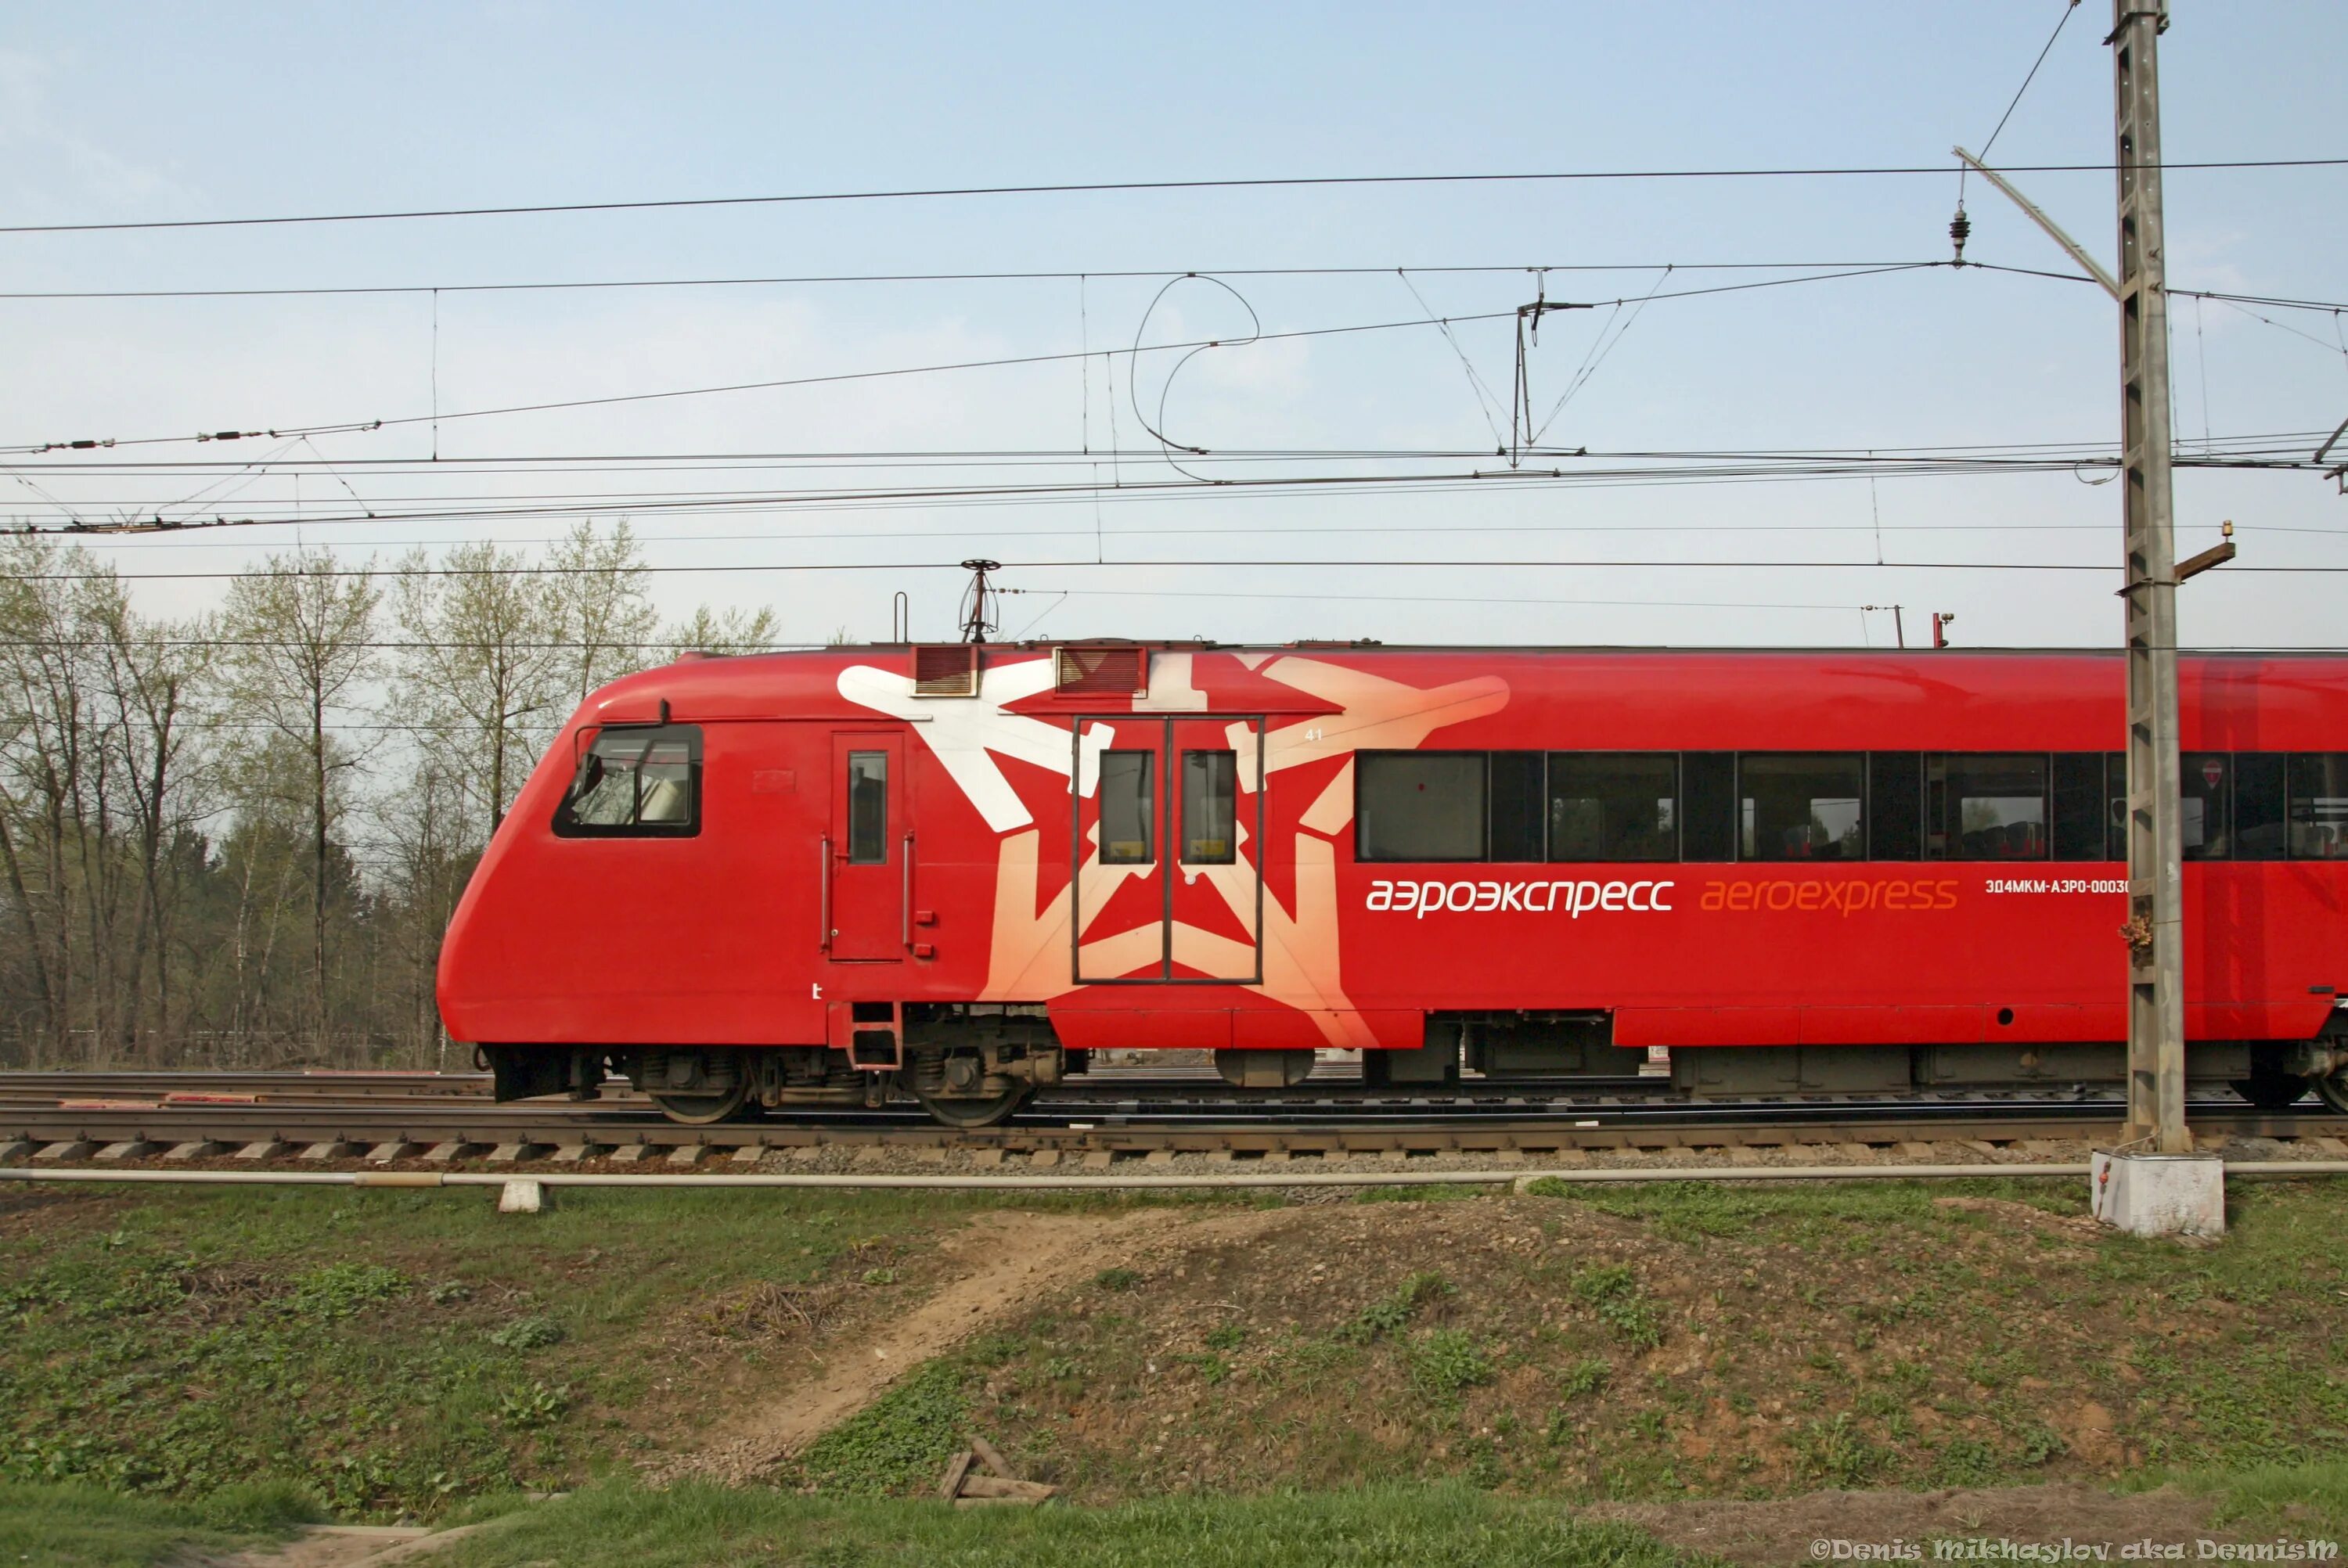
{"type": "Point", "coordinates": [388, 1119]}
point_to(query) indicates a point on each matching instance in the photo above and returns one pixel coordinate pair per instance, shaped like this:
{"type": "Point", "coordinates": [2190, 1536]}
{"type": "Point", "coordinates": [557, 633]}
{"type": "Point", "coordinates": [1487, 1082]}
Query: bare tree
{"type": "Point", "coordinates": [599, 605]}
{"type": "Point", "coordinates": [302, 631]}
{"type": "Point", "coordinates": [722, 631]}
{"type": "Point", "coordinates": [478, 668]}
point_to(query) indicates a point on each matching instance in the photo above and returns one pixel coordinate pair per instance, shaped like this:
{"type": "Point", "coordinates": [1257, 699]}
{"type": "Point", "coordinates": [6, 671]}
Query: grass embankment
{"type": "Point", "coordinates": [392, 1353]}
{"type": "Point", "coordinates": [1666, 1341]}
{"type": "Point", "coordinates": [389, 1352]}
{"type": "Point", "coordinates": [90, 1527]}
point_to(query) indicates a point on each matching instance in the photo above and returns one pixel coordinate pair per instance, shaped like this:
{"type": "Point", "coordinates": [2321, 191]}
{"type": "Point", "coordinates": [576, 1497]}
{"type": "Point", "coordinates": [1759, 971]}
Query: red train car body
{"type": "Point", "coordinates": [776, 877]}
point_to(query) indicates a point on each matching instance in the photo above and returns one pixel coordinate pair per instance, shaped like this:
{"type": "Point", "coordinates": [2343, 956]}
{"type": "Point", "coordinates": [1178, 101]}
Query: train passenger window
{"type": "Point", "coordinates": [1210, 807]}
{"type": "Point", "coordinates": [2116, 822]}
{"type": "Point", "coordinates": [635, 781]}
{"type": "Point", "coordinates": [1614, 805]}
{"type": "Point", "coordinates": [1708, 803]}
{"type": "Point", "coordinates": [2207, 824]}
{"type": "Point", "coordinates": [2319, 805]}
{"type": "Point", "coordinates": [2259, 828]}
{"type": "Point", "coordinates": [867, 809]}
{"type": "Point", "coordinates": [1129, 798]}
{"type": "Point", "coordinates": [1990, 807]}
{"type": "Point", "coordinates": [1418, 806]}
{"type": "Point", "coordinates": [1800, 806]}
{"type": "Point", "coordinates": [1895, 805]}
{"type": "Point", "coordinates": [2078, 802]}
{"type": "Point", "coordinates": [1515, 812]}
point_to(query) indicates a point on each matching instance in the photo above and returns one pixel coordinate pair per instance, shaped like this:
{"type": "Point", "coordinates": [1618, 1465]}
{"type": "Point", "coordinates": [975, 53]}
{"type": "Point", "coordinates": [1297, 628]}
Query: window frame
{"type": "Point", "coordinates": [1185, 839]}
{"type": "Point", "coordinates": [583, 748]}
{"type": "Point", "coordinates": [1483, 755]}
{"type": "Point", "coordinates": [1678, 799]}
{"type": "Point", "coordinates": [1859, 759]}
{"type": "Point", "coordinates": [1147, 774]}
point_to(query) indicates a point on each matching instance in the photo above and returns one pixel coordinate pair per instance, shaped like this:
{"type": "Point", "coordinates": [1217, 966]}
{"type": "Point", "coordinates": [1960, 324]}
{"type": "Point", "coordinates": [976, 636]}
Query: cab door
{"type": "Point", "coordinates": [866, 855]}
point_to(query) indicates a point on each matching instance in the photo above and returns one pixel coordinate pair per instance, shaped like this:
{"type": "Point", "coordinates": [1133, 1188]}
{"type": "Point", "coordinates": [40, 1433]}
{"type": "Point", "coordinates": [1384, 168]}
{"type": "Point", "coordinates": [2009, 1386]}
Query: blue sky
{"type": "Point", "coordinates": [152, 112]}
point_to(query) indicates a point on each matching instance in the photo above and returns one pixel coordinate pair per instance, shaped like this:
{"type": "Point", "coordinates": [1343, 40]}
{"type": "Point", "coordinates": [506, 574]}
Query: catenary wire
{"type": "Point", "coordinates": [1105, 187]}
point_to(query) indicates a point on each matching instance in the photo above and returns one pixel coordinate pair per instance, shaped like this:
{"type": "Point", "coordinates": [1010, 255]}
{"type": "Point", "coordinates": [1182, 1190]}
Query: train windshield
{"type": "Point", "coordinates": [636, 782]}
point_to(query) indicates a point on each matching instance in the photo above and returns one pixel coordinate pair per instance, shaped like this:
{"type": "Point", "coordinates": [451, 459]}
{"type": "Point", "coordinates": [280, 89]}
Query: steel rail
{"type": "Point", "coordinates": [1511, 1178]}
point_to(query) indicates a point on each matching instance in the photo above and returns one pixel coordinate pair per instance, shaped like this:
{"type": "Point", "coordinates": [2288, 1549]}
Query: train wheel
{"type": "Point", "coordinates": [962, 1110]}
{"type": "Point", "coordinates": [2278, 1091]}
{"type": "Point", "coordinates": [702, 1109]}
{"type": "Point", "coordinates": [2333, 1092]}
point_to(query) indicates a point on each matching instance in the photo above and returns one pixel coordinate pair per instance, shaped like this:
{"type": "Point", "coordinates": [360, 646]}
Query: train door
{"type": "Point", "coordinates": [867, 855]}
{"type": "Point", "coordinates": [1166, 862]}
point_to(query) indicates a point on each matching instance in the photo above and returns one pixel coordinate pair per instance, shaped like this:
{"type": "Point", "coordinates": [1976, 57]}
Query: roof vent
{"type": "Point", "coordinates": [1118, 671]}
{"type": "Point", "coordinates": [945, 670]}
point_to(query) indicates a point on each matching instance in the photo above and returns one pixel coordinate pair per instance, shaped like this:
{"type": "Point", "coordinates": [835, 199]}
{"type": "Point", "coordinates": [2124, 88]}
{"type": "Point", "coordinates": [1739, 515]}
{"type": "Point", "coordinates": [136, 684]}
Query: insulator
{"type": "Point", "coordinates": [1960, 228]}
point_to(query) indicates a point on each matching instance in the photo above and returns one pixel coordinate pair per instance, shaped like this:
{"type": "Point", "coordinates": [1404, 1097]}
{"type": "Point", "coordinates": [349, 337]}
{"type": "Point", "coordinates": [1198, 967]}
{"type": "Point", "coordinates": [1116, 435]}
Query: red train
{"type": "Point", "coordinates": [810, 878]}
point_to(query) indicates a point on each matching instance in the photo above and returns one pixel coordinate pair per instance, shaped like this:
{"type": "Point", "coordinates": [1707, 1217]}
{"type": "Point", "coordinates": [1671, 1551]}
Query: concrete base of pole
{"type": "Point", "coordinates": [523, 1196]}
{"type": "Point", "coordinates": [2160, 1194]}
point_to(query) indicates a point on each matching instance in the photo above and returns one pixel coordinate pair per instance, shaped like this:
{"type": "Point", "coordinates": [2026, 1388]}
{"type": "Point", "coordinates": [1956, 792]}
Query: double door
{"type": "Point", "coordinates": [1165, 856]}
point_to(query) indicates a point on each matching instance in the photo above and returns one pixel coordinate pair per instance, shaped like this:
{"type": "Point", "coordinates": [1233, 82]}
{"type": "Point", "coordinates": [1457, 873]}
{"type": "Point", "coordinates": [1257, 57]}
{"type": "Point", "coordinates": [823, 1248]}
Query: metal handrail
{"type": "Point", "coordinates": [823, 883]}
{"type": "Point", "coordinates": [908, 909]}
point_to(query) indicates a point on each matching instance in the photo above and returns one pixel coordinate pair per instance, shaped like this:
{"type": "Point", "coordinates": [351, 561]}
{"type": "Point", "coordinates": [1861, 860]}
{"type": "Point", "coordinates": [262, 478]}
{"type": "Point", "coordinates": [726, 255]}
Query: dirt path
{"type": "Point", "coordinates": [346, 1546]}
{"type": "Point", "coordinates": [1004, 1262]}
{"type": "Point", "coordinates": [1784, 1529]}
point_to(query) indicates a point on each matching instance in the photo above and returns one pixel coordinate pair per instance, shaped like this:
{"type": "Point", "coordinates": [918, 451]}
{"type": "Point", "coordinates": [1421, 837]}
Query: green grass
{"type": "Point", "coordinates": [76, 1526]}
{"type": "Point", "coordinates": [388, 1351]}
{"type": "Point", "coordinates": [1435, 1526]}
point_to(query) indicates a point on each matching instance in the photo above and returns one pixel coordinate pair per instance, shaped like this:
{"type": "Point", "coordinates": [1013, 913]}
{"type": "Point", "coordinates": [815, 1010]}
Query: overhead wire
{"type": "Point", "coordinates": [1268, 182]}
{"type": "Point", "coordinates": [835, 378]}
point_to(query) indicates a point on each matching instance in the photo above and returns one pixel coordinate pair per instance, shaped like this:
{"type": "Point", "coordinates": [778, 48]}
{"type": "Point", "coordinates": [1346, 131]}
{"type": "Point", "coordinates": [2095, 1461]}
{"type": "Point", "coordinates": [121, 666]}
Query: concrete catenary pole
{"type": "Point", "coordinates": [2156, 927]}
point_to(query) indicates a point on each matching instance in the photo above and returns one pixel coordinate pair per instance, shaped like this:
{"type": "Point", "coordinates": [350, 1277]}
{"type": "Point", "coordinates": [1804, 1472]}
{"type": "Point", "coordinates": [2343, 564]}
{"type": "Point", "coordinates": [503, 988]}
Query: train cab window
{"type": "Point", "coordinates": [2208, 825]}
{"type": "Point", "coordinates": [1128, 797]}
{"type": "Point", "coordinates": [1515, 811]}
{"type": "Point", "coordinates": [2078, 832]}
{"type": "Point", "coordinates": [867, 809]}
{"type": "Point", "coordinates": [2319, 805]}
{"type": "Point", "coordinates": [1708, 806]}
{"type": "Point", "coordinates": [1614, 805]}
{"type": "Point", "coordinates": [1895, 805]}
{"type": "Point", "coordinates": [2259, 809]}
{"type": "Point", "coordinates": [1210, 807]}
{"type": "Point", "coordinates": [1800, 806]}
{"type": "Point", "coordinates": [1986, 807]}
{"type": "Point", "coordinates": [1418, 806]}
{"type": "Point", "coordinates": [635, 781]}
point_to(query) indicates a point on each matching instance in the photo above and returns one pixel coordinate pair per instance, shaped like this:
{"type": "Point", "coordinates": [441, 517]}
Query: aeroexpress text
{"type": "Point", "coordinates": [1576, 899]}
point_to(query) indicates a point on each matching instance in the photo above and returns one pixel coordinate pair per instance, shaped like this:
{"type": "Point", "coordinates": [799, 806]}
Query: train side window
{"type": "Point", "coordinates": [2259, 787]}
{"type": "Point", "coordinates": [867, 809]}
{"type": "Point", "coordinates": [2116, 822]}
{"type": "Point", "coordinates": [635, 781]}
{"type": "Point", "coordinates": [1614, 805]}
{"type": "Point", "coordinates": [1516, 809]}
{"type": "Point", "coordinates": [1990, 807]}
{"type": "Point", "coordinates": [1210, 807]}
{"type": "Point", "coordinates": [2319, 805]}
{"type": "Point", "coordinates": [1128, 807]}
{"type": "Point", "coordinates": [1800, 806]}
{"type": "Point", "coordinates": [2078, 802]}
{"type": "Point", "coordinates": [1418, 806]}
{"type": "Point", "coordinates": [1708, 803]}
{"type": "Point", "coordinates": [1895, 805]}
{"type": "Point", "coordinates": [2208, 825]}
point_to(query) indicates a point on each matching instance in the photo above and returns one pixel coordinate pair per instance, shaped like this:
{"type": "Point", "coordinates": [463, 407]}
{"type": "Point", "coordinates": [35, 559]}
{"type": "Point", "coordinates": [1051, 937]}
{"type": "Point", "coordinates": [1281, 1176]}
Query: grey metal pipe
{"type": "Point", "coordinates": [1117, 1184]}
